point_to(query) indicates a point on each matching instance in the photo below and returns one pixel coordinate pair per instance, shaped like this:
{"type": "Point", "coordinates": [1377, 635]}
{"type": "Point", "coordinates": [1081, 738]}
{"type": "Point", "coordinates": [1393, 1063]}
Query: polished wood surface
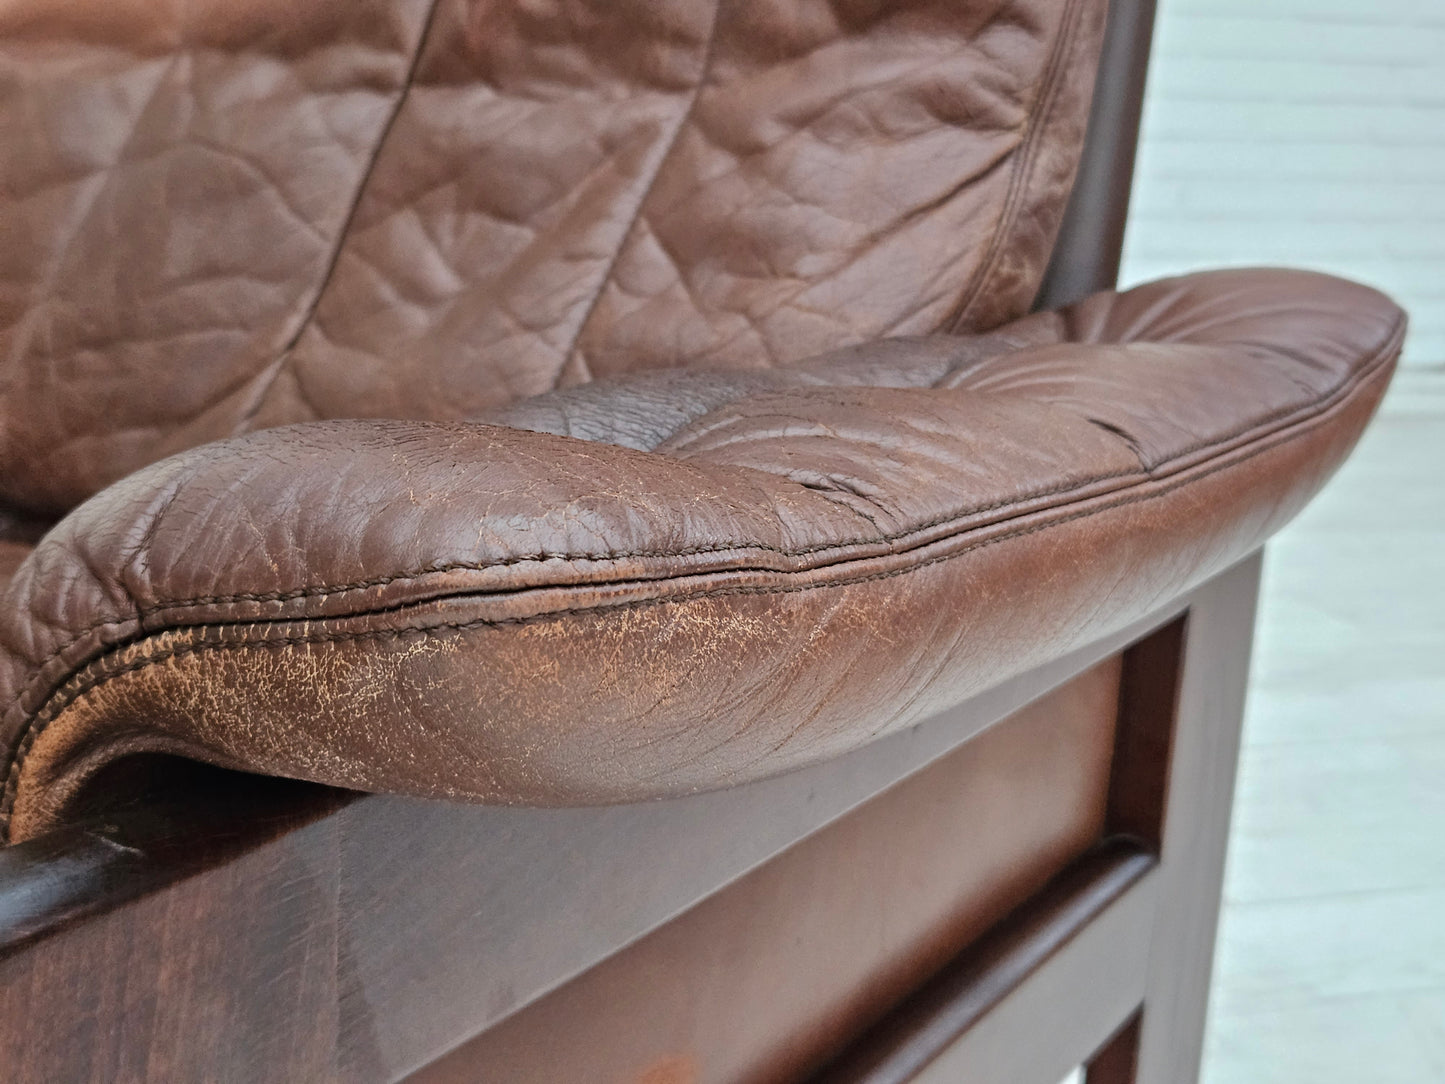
{"type": "Point", "coordinates": [1118, 1061]}
{"type": "Point", "coordinates": [99, 865]}
{"type": "Point", "coordinates": [277, 932]}
{"type": "Point", "coordinates": [1180, 712]}
{"type": "Point", "coordinates": [1201, 775]}
{"type": "Point", "coordinates": [765, 979]}
{"type": "Point", "coordinates": [931, 1036]}
{"type": "Point", "coordinates": [365, 941]}
{"type": "Point", "coordinates": [1144, 740]}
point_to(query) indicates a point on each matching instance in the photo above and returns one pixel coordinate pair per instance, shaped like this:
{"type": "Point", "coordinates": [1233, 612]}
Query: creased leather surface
{"type": "Point", "coordinates": [221, 216]}
{"type": "Point", "coordinates": [677, 581]}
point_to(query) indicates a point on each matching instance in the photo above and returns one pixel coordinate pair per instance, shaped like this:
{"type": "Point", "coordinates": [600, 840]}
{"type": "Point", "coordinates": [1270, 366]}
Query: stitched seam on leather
{"type": "Point", "coordinates": [283, 358]}
{"type": "Point", "coordinates": [323, 591]}
{"type": "Point", "coordinates": [704, 68]}
{"type": "Point", "coordinates": [41, 719]}
{"type": "Point", "coordinates": [1018, 182]}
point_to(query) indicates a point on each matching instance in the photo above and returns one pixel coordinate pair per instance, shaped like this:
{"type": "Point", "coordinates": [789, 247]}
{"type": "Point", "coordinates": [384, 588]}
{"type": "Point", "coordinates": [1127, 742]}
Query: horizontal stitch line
{"type": "Point", "coordinates": [325, 591]}
{"type": "Point", "coordinates": [1320, 408]}
{"type": "Point", "coordinates": [1050, 88]}
{"type": "Point", "coordinates": [36, 725]}
{"type": "Point", "coordinates": [328, 590]}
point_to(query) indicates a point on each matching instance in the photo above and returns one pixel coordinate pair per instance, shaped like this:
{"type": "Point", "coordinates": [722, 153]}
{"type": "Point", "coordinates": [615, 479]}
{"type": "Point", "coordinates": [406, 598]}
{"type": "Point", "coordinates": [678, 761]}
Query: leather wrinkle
{"type": "Point", "coordinates": [1021, 160]}
{"type": "Point", "coordinates": [283, 359]}
{"type": "Point", "coordinates": [323, 591]}
{"type": "Point", "coordinates": [1110, 427]}
{"type": "Point", "coordinates": [704, 68]}
{"type": "Point", "coordinates": [255, 380]}
{"type": "Point", "coordinates": [37, 722]}
{"type": "Point", "coordinates": [564, 347]}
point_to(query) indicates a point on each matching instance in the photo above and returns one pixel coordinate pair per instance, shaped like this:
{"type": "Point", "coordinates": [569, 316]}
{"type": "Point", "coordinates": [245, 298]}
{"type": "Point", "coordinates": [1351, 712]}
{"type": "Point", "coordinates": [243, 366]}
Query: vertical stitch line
{"type": "Point", "coordinates": [1023, 166]}
{"type": "Point", "coordinates": [702, 78]}
{"type": "Point", "coordinates": [308, 317]}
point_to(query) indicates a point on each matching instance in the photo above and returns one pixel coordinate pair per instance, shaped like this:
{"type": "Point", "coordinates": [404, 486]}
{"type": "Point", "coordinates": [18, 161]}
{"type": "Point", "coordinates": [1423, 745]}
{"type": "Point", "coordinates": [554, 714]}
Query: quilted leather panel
{"type": "Point", "coordinates": [226, 216]}
{"type": "Point", "coordinates": [175, 178]}
{"type": "Point", "coordinates": [676, 581]}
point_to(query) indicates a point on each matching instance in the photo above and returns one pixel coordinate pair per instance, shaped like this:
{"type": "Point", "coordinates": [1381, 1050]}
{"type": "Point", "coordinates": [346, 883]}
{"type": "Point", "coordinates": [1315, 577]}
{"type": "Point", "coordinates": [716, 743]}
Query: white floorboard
{"type": "Point", "coordinates": [1331, 962]}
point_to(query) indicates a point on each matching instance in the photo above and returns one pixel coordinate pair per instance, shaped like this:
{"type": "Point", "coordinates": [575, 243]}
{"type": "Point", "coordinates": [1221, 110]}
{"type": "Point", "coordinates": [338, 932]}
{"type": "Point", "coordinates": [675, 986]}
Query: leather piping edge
{"type": "Point", "coordinates": [70, 689]}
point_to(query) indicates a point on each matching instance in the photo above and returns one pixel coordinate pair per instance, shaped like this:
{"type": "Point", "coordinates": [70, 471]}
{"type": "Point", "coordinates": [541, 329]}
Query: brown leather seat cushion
{"type": "Point", "coordinates": [616, 537]}
{"type": "Point", "coordinates": [684, 580]}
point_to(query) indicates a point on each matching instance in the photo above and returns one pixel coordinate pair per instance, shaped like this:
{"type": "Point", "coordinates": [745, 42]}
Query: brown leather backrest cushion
{"type": "Point", "coordinates": [220, 215]}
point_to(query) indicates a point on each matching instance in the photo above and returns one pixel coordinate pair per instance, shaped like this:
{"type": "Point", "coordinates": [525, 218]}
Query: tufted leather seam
{"type": "Point", "coordinates": [283, 357]}
{"type": "Point", "coordinates": [703, 69]}
{"type": "Point", "coordinates": [1050, 84]}
{"type": "Point", "coordinates": [37, 723]}
{"type": "Point", "coordinates": [958, 369]}
{"type": "Point", "coordinates": [324, 591]}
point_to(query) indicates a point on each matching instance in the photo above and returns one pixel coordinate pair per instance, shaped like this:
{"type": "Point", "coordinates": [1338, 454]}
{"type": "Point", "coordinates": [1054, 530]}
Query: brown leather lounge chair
{"type": "Point", "coordinates": [829, 667]}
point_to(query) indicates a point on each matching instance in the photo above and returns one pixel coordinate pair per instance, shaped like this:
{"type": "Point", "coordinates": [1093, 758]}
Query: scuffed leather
{"type": "Point", "coordinates": [675, 581]}
{"type": "Point", "coordinates": [224, 215]}
{"type": "Point", "coordinates": [724, 456]}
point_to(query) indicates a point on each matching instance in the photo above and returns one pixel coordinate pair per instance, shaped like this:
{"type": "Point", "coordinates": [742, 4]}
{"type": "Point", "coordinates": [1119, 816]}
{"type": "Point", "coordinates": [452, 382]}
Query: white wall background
{"type": "Point", "coordinates": [1308, 133]}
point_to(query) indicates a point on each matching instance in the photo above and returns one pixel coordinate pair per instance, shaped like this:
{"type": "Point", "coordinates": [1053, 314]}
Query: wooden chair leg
{"type": "Point", "coordinates": [1019, 1005]}
{"type": "Point", "coordinates": [1190, 826]}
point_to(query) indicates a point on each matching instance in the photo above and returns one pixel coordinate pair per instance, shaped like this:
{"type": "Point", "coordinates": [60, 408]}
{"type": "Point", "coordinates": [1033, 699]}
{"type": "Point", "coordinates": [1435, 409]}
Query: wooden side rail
{"type": "Point", "coordinates": [1109, 965]}
{"type": "Point", "coordinates": [981, 1018]}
